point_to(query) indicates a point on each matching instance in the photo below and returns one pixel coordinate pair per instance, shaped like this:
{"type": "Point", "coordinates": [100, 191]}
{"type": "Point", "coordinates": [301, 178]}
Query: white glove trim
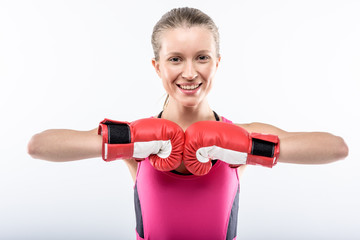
{"type": "Point", "coordinates": [214, 152]}
{"type": "Point", "coordinates": [105, 150]}
{"type": "Point", "coordinates": [144, 149]}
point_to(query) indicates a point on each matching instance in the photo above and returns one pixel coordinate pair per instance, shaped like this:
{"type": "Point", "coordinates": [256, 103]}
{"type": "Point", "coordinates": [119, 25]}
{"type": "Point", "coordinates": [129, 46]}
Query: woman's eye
{"type": "Point", "coordinates": [174, 59]}
{"type": "Point", "coordinates": [204, 58]}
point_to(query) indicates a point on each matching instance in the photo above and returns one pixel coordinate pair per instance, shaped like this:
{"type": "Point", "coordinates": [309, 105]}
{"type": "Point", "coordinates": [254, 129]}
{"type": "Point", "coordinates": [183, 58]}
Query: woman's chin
{"type": "Point", "coordinates": [189, 101]}
{"type": "Point", "coordinates": [190, 104]}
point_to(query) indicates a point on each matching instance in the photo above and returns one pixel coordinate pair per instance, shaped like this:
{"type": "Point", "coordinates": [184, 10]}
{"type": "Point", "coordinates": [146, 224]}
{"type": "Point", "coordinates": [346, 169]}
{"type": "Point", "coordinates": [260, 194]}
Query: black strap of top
{"type": "Point", "coordinates": [215, 115]}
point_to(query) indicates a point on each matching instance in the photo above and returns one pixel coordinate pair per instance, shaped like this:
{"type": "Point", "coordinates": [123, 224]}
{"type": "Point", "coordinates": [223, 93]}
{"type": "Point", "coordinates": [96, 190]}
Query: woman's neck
{"type": "Point", "coordinates": [185, 116]}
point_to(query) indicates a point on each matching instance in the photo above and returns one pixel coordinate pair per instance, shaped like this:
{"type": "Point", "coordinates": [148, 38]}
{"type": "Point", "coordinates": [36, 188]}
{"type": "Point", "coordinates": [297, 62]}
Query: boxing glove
{"type": "Point", "coordinates": [208, 140]}
{"type": "Point", "coordinates": [159, 139]}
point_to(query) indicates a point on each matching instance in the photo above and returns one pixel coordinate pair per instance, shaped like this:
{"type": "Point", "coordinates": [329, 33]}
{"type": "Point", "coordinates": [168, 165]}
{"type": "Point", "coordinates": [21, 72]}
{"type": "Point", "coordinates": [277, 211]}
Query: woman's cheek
{"type": "Point", "coordinates": [208, 72]}
{"type": "Point", "coordinates": [171, 73]}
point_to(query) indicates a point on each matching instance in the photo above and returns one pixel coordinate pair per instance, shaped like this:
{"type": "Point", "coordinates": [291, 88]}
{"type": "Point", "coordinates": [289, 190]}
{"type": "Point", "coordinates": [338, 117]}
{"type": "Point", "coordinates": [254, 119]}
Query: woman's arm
{"type": "Point", "coordinates": [60, 145]}
{"type": "Point", "coordinates": [304, 147]}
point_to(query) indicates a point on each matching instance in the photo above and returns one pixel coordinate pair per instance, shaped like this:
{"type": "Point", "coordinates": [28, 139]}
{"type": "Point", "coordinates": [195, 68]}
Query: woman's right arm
{"type": "Point", "coordinates": [61, 145]}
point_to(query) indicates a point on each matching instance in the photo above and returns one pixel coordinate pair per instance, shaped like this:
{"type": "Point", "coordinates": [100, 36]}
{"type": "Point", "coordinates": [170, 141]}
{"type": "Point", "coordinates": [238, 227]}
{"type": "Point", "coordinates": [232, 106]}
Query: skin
{"type": "Point", "coordinates": [188, 57]}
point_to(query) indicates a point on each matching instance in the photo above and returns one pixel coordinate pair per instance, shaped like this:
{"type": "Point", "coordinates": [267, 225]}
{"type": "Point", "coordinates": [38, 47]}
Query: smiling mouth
{"type": "Point", "coordinates": [189, 87]}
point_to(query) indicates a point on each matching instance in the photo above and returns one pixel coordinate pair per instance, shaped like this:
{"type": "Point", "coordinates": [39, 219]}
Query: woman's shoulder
{"type": "Point", "coordinates": [224, 119]}
{"type": "Point", "coordinates": [261, 128]}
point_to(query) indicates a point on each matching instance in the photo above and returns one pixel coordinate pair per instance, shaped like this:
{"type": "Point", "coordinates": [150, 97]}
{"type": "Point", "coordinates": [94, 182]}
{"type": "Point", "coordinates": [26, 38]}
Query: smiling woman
{"type": "Point", "coordinates": [172, 34]}
{"type": "Point", "coordinates": [187, 64]}
{"type": "Point", "coordinates": [186, 161]}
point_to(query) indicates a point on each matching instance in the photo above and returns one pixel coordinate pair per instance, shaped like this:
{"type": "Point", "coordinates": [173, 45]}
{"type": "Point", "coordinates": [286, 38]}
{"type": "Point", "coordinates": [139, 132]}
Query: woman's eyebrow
{"type": "Point", "coordinates": [179, 53]}
{"type": "Point", "coordinates": [204, 51]}
{"type": "Point", "coordinates": [173, 53]}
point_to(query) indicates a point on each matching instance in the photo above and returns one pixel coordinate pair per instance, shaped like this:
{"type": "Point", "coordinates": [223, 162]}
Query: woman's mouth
{"type": "Point", "coordinates": [189, 88]}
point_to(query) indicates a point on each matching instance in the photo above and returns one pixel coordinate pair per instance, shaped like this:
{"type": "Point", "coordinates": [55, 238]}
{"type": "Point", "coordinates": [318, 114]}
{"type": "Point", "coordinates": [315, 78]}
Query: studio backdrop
{"type": "Point", "coordinates": [70, 64]}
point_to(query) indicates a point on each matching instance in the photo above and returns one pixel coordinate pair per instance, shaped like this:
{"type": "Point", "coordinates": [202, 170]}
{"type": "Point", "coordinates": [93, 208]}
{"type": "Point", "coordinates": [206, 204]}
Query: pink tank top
{"type": "Point", "coordinates": [174, 206]}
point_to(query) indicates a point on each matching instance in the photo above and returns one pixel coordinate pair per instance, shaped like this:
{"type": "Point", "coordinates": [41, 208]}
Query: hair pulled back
{"type": "Point", "coordinates": [182, 17]}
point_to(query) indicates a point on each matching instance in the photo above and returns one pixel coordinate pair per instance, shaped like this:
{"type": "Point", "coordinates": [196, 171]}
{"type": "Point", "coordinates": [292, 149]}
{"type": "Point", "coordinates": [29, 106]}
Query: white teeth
{"type": "Point", "coordinates": [189, 87]}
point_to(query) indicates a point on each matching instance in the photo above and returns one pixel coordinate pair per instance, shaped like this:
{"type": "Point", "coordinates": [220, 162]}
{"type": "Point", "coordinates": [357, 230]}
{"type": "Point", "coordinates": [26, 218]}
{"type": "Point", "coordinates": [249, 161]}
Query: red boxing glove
{"type": "Point", "coordinates": [159, 139]}
{"type": "Point", "coordinates": [207, 140]}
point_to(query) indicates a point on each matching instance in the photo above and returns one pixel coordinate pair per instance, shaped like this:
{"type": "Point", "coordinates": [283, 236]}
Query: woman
{"type": "Point", "coordinates": [174, 203]}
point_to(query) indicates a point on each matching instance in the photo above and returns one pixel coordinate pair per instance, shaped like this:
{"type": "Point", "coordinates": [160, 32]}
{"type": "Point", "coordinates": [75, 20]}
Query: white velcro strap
{"type": "Point", "coordinates": [144, 149]}
{"type": "Point", "coordinates": [214, 152]}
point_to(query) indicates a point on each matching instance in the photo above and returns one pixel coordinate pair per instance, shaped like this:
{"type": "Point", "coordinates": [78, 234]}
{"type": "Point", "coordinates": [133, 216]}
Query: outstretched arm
{"type": "Point", "coordinates": [60, 145]}
{"type": "Point", "coordinates": [304, 147]}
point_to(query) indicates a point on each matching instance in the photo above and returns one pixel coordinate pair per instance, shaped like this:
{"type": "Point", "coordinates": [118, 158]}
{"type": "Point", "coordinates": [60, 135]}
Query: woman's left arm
{"type": "Point", "coordinates": [304, 147]}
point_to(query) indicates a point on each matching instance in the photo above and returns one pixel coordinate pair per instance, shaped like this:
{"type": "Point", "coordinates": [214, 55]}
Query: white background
{"type": "Point", "coordinates": [69, 64]}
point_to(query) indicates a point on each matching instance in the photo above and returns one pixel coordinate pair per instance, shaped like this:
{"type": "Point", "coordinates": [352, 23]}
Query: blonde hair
{"type": "Point", "coordinates": [182, 17]}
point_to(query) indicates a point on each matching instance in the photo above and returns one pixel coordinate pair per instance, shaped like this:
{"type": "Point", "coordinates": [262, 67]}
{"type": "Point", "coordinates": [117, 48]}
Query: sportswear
{"type": "Point", "coordinates": [185, 207]}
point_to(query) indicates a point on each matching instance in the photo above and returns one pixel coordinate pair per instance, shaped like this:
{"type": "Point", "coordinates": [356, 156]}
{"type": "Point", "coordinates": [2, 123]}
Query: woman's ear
{"type": "Point", "coordinates": [218, 61]}
{"type": "Point", "coordinates": [156, 66]}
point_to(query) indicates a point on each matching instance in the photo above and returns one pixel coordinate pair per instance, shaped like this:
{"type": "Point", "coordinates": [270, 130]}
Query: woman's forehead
{"type": "Point", "coordinates": [187, 40]}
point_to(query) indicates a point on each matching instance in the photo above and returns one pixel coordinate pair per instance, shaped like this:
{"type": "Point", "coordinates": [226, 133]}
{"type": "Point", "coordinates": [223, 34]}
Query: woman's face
{"type": "Point", "coordinates": [187, 64]}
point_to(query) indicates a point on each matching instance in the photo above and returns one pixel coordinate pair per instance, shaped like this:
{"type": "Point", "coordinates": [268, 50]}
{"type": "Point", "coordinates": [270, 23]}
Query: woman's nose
{"type": "Point", "coordinates": [189, 71]}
